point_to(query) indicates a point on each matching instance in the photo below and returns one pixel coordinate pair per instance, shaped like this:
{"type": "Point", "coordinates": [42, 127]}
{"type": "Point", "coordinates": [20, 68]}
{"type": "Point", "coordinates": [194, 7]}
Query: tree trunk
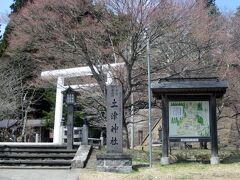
{"type": "Point", "coordinates": [127, 136]}
{"type": "Point", "coordinates": [23, 134]}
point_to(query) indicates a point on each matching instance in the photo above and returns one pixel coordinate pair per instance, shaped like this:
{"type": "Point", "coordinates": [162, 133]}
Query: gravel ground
{"type": "Point", "coordinates": [39, 174]}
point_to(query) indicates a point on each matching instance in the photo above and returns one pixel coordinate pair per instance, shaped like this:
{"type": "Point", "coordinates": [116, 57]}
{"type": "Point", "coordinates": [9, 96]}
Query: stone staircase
{"type": "Point", "coordinates": [35, 156]}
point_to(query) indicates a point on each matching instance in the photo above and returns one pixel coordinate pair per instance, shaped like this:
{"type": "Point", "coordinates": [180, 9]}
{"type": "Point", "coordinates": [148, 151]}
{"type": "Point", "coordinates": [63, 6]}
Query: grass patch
{"type": "Point", "coordinates": [204, 155]}
{"type": "Point", "coordinates": [187, 170]}
{"type": "Point", "coordinates": [182, 168]}
{"type": "Point", "coordinates": [141, 155]}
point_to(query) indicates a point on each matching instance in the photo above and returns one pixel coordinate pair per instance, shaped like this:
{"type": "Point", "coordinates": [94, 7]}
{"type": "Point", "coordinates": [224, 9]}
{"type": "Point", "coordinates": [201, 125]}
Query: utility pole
{"type": "Point", "coordinates": [132, 122]}
{"type": "Point", "coordinates": [149, 99]}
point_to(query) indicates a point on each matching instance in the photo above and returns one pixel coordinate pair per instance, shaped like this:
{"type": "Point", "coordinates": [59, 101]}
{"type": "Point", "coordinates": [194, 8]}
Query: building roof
{"type": "Point", "coordinates": [7, 123]}
{"type": "Point", "coordinates": [189, 85]}
{"type": "Point", "coordinates": [35, 123]}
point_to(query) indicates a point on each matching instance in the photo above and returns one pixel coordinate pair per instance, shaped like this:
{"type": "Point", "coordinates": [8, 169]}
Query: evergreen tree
{"type": "Point", "coordinates": [3, 41]}
{"type": "Point", "coordinates": [210, 4]}
{"type": "Point", "coordinates": [15, 7]}
{"type": "Point", "coordinates": [18, 4]}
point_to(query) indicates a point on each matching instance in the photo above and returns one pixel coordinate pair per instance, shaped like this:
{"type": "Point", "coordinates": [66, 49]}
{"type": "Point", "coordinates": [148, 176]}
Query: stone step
{"type": "Point", "coordinates": [36, 162]}
{"type": "Point", "coordinates": [35, 167]}
{"type": "Point", "coordinates": [28, 150]}
{"type": "Point", "coordinates": [37, 155]}
{"type": "Point", "coordinates": [32, 146]}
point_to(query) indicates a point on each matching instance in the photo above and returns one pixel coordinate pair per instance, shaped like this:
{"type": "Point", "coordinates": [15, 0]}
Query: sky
{"type": "Point", "coordinates": [4, 9]}
{"type": "Point", "coordinates": [223, 5]}
{"type": "Point", "coordinates": [4, 5]}
{"type": "Point", "coordinates": [228, 5]}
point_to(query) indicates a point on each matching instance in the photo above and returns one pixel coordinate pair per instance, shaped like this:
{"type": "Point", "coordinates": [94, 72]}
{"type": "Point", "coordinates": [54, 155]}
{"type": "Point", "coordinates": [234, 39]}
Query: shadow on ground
{"type": "Point", "coordinates": [231, 159]}
{"type": "Point", "coordinates": [141, 165]}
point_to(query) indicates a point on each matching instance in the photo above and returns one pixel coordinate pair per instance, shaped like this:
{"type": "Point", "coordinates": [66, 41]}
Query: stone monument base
{"type": "Point", "coordinates": [112, 162]}
{"type": "Point", "coordinates": [214, 160]}
{"type": "Point", "coordinates": [165, 161]}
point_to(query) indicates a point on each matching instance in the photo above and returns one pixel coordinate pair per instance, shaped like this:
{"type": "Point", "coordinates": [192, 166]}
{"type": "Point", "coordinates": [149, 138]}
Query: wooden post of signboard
{"type": "Point", "coordinates": [165, 112]}
{"type": "Point", "coordinates": [213, 126]}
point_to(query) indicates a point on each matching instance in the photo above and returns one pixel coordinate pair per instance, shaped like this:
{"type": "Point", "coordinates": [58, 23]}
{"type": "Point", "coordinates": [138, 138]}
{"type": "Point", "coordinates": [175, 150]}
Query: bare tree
{"type": "Point", "coordinates": [66, 33]}
{"type": "Point", "coordinates": [19, 91]}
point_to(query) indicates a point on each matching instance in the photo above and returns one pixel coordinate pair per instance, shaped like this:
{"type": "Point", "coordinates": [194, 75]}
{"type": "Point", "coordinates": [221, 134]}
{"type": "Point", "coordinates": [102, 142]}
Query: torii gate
{"type": "Point", "coordinates": [60, 75]}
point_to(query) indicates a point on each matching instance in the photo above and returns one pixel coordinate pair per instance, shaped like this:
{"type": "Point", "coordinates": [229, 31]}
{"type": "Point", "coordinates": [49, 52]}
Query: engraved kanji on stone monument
{"type": "Point", "coordinates": [114, 119]}
{"type": "Point", "coordinates": [114, 128]}
{"type": "Point", "coordinates": [114, 115]}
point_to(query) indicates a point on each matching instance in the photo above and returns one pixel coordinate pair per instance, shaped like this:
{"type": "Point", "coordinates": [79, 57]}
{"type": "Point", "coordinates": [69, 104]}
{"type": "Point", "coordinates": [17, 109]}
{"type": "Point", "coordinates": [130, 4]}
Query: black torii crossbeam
{"type": "Point", "coordinates": [189, 111]}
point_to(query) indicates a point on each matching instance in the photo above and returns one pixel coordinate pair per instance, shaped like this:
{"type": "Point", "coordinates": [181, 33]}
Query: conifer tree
{"type": "Point", "coordinates": [18, 4]}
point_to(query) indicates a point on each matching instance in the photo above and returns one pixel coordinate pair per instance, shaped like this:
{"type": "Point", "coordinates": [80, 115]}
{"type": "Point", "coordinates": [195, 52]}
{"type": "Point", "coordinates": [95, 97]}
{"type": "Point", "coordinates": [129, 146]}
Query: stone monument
{"type": "Point", "coordinates": [114, 160]}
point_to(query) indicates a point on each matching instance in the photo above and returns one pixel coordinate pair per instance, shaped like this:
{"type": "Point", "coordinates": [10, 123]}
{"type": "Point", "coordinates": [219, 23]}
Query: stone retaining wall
{"type": "Point", "coordinates": [114, 163]}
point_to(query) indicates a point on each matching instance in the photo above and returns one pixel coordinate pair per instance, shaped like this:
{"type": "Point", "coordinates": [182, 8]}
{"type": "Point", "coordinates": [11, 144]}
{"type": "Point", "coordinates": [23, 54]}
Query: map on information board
{"type": "Point", "coordinates": [189, 119]}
